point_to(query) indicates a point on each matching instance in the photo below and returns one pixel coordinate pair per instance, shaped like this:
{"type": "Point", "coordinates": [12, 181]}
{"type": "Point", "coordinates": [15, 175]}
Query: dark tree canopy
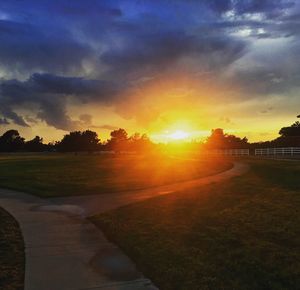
{"type": "Point", "coordinates": [79, 141]}
{"type": "Point", "coordinates": [76, 141]}
{"type": "Point", "coordinates": [120, 135]}
{"type": "Point", "coordinates": [291, 131]}
{"type": "Point", "coordinates": [118, 140]}
{"type": "Point", "coordinates": [219, 140]}
{"type": "Point", "coordinates": [35, 145]}
{"type": "Point", "coordinates": [11, 141]}
{"type": "Point", "coordinates": [140, 142]}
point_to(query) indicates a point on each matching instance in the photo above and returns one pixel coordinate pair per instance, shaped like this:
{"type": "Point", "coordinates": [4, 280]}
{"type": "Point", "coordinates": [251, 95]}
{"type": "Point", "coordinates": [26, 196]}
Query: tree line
{"type": "Point", "coordinates": [76, 141]}
{"type": "Point", "coordinates": [88, 141]}
{"type": "Point", "coordinates": [288, 137]}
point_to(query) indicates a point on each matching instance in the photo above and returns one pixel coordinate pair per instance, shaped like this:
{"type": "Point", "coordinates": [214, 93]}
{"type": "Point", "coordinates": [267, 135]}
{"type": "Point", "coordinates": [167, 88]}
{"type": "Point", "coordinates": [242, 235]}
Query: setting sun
{"type": "Point", "coordinates": [179, 135]}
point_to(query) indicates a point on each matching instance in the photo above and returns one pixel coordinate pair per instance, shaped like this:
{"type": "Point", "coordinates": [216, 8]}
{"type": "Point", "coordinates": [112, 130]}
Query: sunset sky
{"type": "Point", "coordinates": [158, 67]}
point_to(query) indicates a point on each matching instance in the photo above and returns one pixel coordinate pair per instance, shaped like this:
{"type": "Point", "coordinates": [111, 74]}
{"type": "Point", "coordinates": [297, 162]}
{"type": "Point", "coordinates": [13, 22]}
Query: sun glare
{"type": "Point", "coordinates": [179, 135]}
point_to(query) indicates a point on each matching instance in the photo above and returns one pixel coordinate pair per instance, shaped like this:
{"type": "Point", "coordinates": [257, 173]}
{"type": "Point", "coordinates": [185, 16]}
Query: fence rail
{"type": "Point", "coordinates": [278, 151]}
{"type": "Point", "coordinates": [231, 152]}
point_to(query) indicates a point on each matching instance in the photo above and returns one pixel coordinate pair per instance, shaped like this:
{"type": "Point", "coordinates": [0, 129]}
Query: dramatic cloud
{"type": "Point", "coordinates": [157, 52]}
{"type": "Point", "coordinates": [268, 7]}
{"type": "Point", "coordinates": [27, 48]}
{"type": "Point", "coordinates": [57, 54]}
{"type": "Point", "coordinates": [49, 94]}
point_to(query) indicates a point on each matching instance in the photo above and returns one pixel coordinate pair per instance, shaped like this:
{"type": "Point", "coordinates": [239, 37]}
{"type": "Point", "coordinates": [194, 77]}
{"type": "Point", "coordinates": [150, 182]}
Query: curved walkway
{"type": "Point", "coordinates": [65, 251]}
{"type": "Point", "coordinates": [97, 203]}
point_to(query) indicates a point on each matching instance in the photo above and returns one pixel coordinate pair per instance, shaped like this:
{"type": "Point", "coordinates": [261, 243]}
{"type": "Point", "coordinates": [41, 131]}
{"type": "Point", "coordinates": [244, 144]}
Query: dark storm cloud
{"type": "Point", "coordinates": [76, 86]}
{"type": "Point", "coordinates": [152, 53]}
{"type": "Point", "coordinates": [219, 6]}
{"type": "Point", "coordinates": [148, 39]}
{"type": "Point", "coordinates": [47, 84]}
{"type": "Point", "coordinates": [115, 43]}
{"type": "Point", "coordinates": [269, 7]}
{"type": "Point", "coordinates": [8, 113]}
{"type": "Point", "coordinates": [25, 48]}
{"type": "Point", "coordinates": [49, 94]}
{"type": "Point", "coordinates": [86, 8]}
{"type": "Point", "coordinates": [267, 81]}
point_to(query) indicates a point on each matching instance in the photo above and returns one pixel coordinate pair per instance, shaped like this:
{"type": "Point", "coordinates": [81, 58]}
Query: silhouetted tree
{"type": "Point", "coordinates": [11, 141]}
{"type": "Point", "coordinates": [296, 124]}
{"type": "Point", "coordinates": [293, 130]}
{"type": "Point", "coordinates": [219, 140]}
{"type": "Point", "coordinates": [79, 141]}
{"type": "Point", "coordinates": [120, 135]}
{"type": "Point", "coordinates": [216, 139]}
{"type": "Point", "coordinates": [51, 146]}
{"type": "Point", "coordinates": [118, 140]}
{"type": "Point", "coordinates": [289, 137]}
{"type": "Point", "coordinates": [35, 145]}
{"type": "Point", "coordinates": [70, 142]}
{"type": "Point", "coordinates": [138, 142]}
{"type": "Point", "coordinates": [90, 140]}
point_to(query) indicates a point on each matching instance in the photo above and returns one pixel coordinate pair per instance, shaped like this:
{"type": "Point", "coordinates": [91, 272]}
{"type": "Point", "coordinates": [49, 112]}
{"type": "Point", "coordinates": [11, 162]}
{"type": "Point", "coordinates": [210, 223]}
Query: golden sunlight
{"type": "Point", "coordinates": [179, 135]}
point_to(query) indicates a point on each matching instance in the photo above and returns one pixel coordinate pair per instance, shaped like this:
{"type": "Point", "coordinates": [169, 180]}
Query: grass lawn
{"type": "Point", "coordinates": [243, 233]}
{"type": "Point", "coordinates": [49, 175]}
{"type": "Point", "coordinates": [11, 253]}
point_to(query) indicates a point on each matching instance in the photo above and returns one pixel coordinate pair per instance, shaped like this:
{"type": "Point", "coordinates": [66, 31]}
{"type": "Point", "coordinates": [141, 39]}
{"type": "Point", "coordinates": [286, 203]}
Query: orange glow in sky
{"type": "Point", "coordinates": [175, 108]}
{"type": "Point", "coordinates": [148, 69]}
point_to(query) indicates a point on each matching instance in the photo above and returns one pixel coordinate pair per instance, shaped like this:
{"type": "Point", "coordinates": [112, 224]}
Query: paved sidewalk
{"type": "Point", "coordinates": [64, 251]}
{"type": "Point", "coordinates": [67, 252]}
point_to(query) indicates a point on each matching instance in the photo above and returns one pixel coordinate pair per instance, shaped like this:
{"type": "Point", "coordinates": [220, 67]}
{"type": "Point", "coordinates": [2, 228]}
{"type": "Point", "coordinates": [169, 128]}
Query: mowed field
{"type": "Point", "coordinates": [49, 175]}
{"type": "Point", "coordinates": [242, 233]}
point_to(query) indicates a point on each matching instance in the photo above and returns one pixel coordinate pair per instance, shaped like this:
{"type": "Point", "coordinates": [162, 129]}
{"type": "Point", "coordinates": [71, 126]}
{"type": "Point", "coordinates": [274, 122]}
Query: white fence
{"type": "Point", "coordinates": [231, 152]}
{"type": "Point", "coordinates": [278, 151]}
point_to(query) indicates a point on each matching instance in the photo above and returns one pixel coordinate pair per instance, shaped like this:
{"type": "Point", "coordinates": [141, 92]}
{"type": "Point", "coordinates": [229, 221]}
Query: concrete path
{"type": "Point", "coordinates": [64, 251]}
{"type": "Point", "coordinates": [98, 203]}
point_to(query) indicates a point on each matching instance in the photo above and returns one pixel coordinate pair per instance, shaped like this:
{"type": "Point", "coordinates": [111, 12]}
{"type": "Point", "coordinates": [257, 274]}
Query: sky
{"type": "Point", "coordinates": [156, 67]}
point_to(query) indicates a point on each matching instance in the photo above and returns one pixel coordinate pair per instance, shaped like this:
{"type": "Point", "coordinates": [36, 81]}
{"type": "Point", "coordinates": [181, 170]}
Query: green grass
{"type": "Point", "coordinates": [283, 173]}
{"type": "Point", "coordinates": [11, 253]}
{"type": "Point", "coordinates": [50, 175]}
{"type": "Point", "coordinates": [240, 234]}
